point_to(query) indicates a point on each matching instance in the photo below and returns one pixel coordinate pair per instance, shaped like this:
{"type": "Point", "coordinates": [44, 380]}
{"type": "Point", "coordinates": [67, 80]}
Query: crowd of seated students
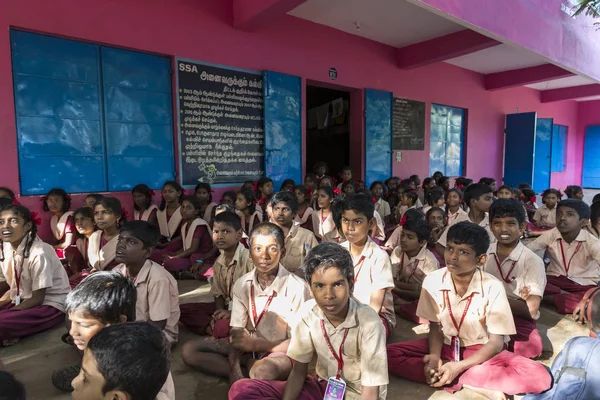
{"type": "Point", "coordinates": [323, 267]}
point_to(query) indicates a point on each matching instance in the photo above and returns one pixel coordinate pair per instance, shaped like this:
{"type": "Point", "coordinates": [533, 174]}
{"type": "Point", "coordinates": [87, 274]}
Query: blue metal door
{"type": "Point", "coordinates": [590, 177]}
{"type": "Point", "coordinates": [542, 162]}
{"type": "Point", "coordinates": [283, 127]}
{"type": "Point", "coordinates": [519, 148]}
{"type": "Point", "coordinates": [378, 135]}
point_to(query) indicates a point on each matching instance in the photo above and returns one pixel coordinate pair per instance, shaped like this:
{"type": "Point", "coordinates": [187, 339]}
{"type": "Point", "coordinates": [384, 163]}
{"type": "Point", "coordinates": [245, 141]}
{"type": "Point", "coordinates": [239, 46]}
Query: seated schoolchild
{"type": "Point", "coordinates": [7, 193]}
{"type": "Point", "coordinates": [33, 282]}
{"type": "Point", "coordinates": [408, 201]}
{"type": "Point", "coordinates": [382, 207]}
{"type": "Point", "coordinates": [333, 320]}
{"type": "Point", "coordinates": [265, 302]}
{"type": "Point", "coordinates": [143, 208]}
{"type": "Point", "coordinates": [438, 222]}
{"type": "Point", "coordinates": [573, 256]}
{"type": "Point", "coordinates": [169, 220]}
{"type": "Point", "coordinates": [575, 368]}
{"type": "Point", "coordinates": [305, 211]}
{"type": "Point", "coordinates": [12, 389]}
{"type": "Point", "coordinates": [124, 361]}
{"type": "Point", "coordinates": [84, 225]}
{"type": "Point", "coordinates": [467, 311]}
{"type": "Point", "coordinates": [521, 271]}
{"type": "Point", "coordinates": [203, 192]}
{"type": "Point", "coordinates": [323, 223]}
{"type": "Point", "coordinates": [213, 318]}
{"type": "Point", "coordinates": [91, 200]}
{"type": "Point", "coordinates": [248, 211]}
{"type": "Point", "coordinates": [102, 299]}
{"type": "Point", "coordinates": [435, 198]}
{"type": "Point", "coordinates": [454, 211]}
{"type": "Point", "coordinates": [373, 278]}
{"type": "Point", "coordinates": [298, 241]}
{"type": "Point", "coordinates": [108, 216]}
{"type": "Point", "coordinates": [411, 263]}
{"type": "Point", "coordinates": [545, 216]}
{"type": "Point", "coordinates": [158, 295]}
{"type": "Point", "coordinates": [62, 226]}
{"type": "Point", "coordinates": [394, 240]}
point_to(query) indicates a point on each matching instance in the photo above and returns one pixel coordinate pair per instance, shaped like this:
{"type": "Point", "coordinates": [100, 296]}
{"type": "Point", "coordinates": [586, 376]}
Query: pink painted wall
{"type": "Point", "coordinates": [202, 30]}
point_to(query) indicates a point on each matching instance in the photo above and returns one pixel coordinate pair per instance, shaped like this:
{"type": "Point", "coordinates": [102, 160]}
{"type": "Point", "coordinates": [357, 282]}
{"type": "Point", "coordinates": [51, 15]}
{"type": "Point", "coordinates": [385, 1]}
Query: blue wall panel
{"type": "Point", "coordinates": [283, 127]}
{"type": "Point", "coordinates": [378, 135]}
{"type": "Point", "coordinates": [590, 177]}
{"type": "Point", "coordinates": [559, 147]}
{"type": "Point", "coordinates": [543, 154]}
{"type": "Point", "coordinates": [519, 148]}
{"type": "Point", "coordinates": [446, 145]}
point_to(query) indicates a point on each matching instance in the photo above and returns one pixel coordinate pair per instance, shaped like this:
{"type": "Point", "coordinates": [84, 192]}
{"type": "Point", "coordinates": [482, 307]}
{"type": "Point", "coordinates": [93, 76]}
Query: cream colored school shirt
{"type": "Point", "coordinates": [545, 217]}
{"type": "Point", "coordinates": [488, 313]}
{"type": "Point", "coordinates": [458, 216]}
{"type": "Point", "coordinates": [364, 351]}
{"type": "Point", "coordinates": [485, 223]}
{"type": "Point", "coordinates": [167, 392]}
{"type": "Point", "coordinates": [582, 256]}
{"type": "Point", "coordinates": [288, 293]}
{"type": "Point", "coordinates": [528, 271]}
{"type": "Point", "coordinates": [298, 243]}
{"type": "Point", "coordinates": [373, 271]}
{"type": "Point", "coordinates": [413, 270]}
{"type": "Point", "coordinates": [383, 208]}
{"type": "Point", "coordinates": [41, 270]}
{"type": "Point", "coordinates": [394, 240]}
{"type": "Point", "coordinates": [157, 297]}
{"type": "Point", "coordinates": [225, 275]}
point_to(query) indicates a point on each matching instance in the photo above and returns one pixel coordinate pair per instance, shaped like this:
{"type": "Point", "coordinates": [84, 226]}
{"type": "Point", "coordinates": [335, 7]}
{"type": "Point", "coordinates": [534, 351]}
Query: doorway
{"type": "Point", "coordinates": [327, 128]}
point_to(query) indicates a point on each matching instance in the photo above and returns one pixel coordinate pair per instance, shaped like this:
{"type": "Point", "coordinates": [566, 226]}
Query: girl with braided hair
{"type": "Point", "coordinates": [31, 273]}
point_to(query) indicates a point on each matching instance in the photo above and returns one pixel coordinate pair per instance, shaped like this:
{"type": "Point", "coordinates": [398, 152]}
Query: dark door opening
{"type": "Point", "coordinates": [327, 128]}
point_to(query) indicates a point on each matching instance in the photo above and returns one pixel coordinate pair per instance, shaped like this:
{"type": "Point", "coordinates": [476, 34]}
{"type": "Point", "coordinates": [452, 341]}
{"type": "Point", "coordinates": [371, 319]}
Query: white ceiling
{"type": "Point", "coordinates": [562, 83]}
{"type": "Point", "coordinates": [497, 59]}
{"type": "Point", "coordinates": [393, 22]}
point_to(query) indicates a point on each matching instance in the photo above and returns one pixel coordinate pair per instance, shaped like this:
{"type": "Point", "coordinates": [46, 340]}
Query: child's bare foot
{"type": "Point", "coordinates": [488, 394]}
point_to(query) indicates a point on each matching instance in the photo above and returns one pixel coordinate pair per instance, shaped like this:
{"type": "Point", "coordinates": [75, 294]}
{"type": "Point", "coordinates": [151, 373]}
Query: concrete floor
{"type": "Point", "coordinates": [33, 359]}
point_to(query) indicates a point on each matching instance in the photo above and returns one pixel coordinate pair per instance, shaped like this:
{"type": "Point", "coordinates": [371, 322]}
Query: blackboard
{"type": "Point", "coordinates": [221, 130]}
{"type": "Point", "coordinates": [408, 125]}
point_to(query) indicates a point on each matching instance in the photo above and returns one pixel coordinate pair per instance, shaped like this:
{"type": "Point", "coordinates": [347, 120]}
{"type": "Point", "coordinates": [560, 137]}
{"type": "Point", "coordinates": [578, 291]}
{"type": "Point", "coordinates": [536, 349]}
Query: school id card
{"type": "Point", "coordinates": [336, 388]}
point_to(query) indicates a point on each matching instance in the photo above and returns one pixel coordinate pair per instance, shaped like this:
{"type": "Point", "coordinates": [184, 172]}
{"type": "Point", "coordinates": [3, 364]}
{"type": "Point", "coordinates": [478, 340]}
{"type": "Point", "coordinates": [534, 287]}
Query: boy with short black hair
{"type": "Point", "coordinates": [411, 263]}
{"type": "Point", "coordinates": [521, 272]}
{"type": "Point", "coordinates": [157, 291]}
{"type": "Point", "coordinates": [265, 301]}
{"type": "Point", "coordinates": [574, 255]}
{"type": "Point", "coordinates": [467, 311]}
{"type": "Point", "coordinates": [333, 318]}
{"type": "Point", "coordinates": [373, 278]}
{"type": "Point", "coordinates": [298, 241]}
{"type": "Point", "coordinates": [124, 361]}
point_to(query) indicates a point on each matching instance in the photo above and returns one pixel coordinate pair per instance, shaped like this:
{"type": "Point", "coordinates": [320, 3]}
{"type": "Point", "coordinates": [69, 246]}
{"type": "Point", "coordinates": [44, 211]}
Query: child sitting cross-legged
{"type": "Point", "coordinates": [467, 310]}
{"type": "Point", "coordinates": [521, 271]}
{"type": "Point", "coordinates": [124, 361]}
{"type": "Point", "coordinates": [334, 320]}
{"type": "Point", "coordinates": [265, 302]}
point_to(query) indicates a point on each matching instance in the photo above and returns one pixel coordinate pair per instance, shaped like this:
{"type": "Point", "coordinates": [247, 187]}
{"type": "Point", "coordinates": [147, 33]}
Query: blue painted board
{"type": "Point", "coordinates": [542, 162]}
{"type": "Point", "coordinates": [590, 177]}
{"type": "Point", "coordinates": [559, 147]}
{"type": "Point", "coordinates": [378, 135]}
{"type": "Point", "coordinates": [519, 148]}
{"type": "Point", "coordinates": [283, 127]}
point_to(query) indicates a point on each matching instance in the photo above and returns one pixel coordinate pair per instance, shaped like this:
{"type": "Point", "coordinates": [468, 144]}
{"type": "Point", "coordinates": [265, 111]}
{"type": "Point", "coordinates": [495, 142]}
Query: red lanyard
{"type": "Point", "coordinates": [253, 305]}
{"type": "Point", "coordinates": [18, 275]}
{"type": "Point", "coordinates": [231, 280]}
{"type": "Point", "coordinates": [338, 356]}
{"type": "Point", "coordinates": [507, 277]}
{"type": "Point", "coordinates": [359, 264]}
{"type": "Point", "coordinates": [459, 325]}
{"type": "Point", "coordinates": [402, 267]}
{"type": "Point", "coordinates": [562, 251]}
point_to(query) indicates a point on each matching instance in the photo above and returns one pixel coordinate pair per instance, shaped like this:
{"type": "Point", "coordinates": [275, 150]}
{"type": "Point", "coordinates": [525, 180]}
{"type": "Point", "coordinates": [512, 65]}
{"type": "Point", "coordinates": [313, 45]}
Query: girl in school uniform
{"type": "Point", "coordinates": [198, 249]}
{"type": "Point", "coordinates": [305, 211]}
{"type": "Point", "coordinates": [437, 222]}
{"type": "Point", "coordinates": [246, 204]}
{"type": "Point", "coordinates": [264, 192]}
{"type": "Point", "coordinates": [91, 200]}
{"type": "Point", "coordinates": [323, 223]}
{"type": "Point", "coordinates": [102, 244]}
{"type": "Point", "coordinates": [229, 197]}
{"type": "Point", "coordinates": [33, 282]}
{"type": "Point", "coordinates": [454, 212]}
{"type": "Point", "coordinates": [382, 207]}
{"type": "Point", "coordinates": [58, 202]}
{"type": "Point", "coordinates": [144, 210]}
{"type": "Point", "coordinates": [545, 216]}
{"type": "Point", "coordinates": [574, 192]}
{"type": "Point", "coordinates": [84, 225]}
{"type": "Point", "coordinates": [435, 198]}
{"type": "Point", "coordinates": [203, 192]}
{"type": "Point", "coordinates": [169, 220]}
{"type": "Point", "coordinates": [288, 186]}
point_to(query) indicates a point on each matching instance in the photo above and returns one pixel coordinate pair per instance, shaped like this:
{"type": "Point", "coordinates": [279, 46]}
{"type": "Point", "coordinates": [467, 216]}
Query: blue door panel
{"type": "Point", "coordinates": [55, 136]}
{"type": "Point", "coordinates": [519, 148]}
{"type": "Point", "coordinates": [378, 135]}
{"type": "Point", "coordinates": [139, 140]}
{"type": "Point", "coordinates": [542, 163]}
{"type": "Point", "coordinates": [135, 70]}
{"type": "Point", "coordinates": [590, 177]}
{"type": "Point", "coordinates": [283, 127]}
{"type": "Point", "coordinates": [74, 174]}
{"type": "Point", "coordinates": [153, 171]}
{"type": "Point", "coordinates": [51, 57]}
{"type": "Point", "coordinates": [132, 105]}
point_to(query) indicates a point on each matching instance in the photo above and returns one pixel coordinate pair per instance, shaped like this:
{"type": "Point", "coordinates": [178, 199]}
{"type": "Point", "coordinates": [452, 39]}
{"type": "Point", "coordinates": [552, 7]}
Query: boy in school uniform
{"type": "Point", "coordinates": [158, 295]}
{"type": "Point", "coordinates": [521, 272]}
{"type": "Point", "coordinates": [101, 300]}
{"type": "Point", "coordinates": [298, 241]}
{"type": "Point", "coordinates": [573, 255]}
{"type": "Point", "coordinates": [479, 198]}
{"type": "Point", "coordinates": [411, 263]}
{"type": "Point", "coordinates": [332, 320]}
{"type": "Point", "coordinates": [124, 361]}
{"type": "Point", "coordinates": [467, 310]}
{"type": "Point", "coordinates": [373, 278]}
{"type": "Point", "coordinates": [265, 302]}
